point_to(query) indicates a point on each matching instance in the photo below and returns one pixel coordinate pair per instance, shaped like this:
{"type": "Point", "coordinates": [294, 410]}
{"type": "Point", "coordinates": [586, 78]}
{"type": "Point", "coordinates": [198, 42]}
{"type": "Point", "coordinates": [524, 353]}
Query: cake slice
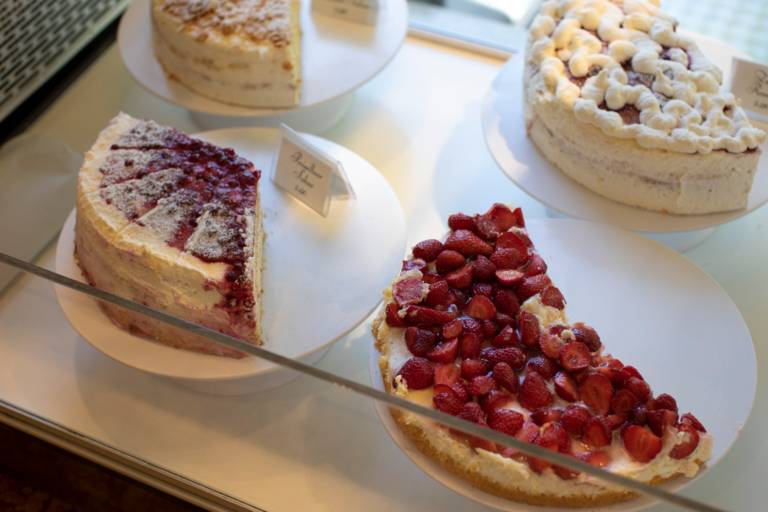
{"type": "Point", "coordinates": [622, 103]}
{"type": "Point", "coordinates": [474, 327]}
{"type": "Point", "coordinates": [174, 223]}
{"type": "Point", "coordinates": [242, 52]}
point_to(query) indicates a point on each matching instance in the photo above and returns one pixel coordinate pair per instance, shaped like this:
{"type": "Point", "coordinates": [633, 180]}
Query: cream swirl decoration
{"type": "Point", "coordinates": [621, 66]}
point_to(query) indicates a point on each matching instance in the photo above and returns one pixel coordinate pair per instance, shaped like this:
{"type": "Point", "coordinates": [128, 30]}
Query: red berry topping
{"type": "Point", "coordinates": [543, 366]}
{"type": "Point", "coordinates": [507, 337]}
{"type": "Point", "coordinates": [469, 345]}
{"type": "Point", "coordinates": [574, 419]}
{"type": "Point", "coordinates": [536, 266]}
{"type": "Point", "coordinates": [519, 217]}
{"type": "Point", "coordinates": [490, 328]}
{"type": "Point", "coordinates": [639, 388]}
{"type": "Point", "coordinates": [471, 325]}
{"type": "Point", "coordinates": [393, 319]}
{"type": "Point", "coordinates": [461, 221]}
{"type": "Point", "coordinates": [483, 268]}
{"type": "Point", "coordinates": [664, 401]}
{"type": "Point", "coordinates": [551, 345]}
{"type": "Point", "coordinates": [508, 258]}
{"type": "Point", "coordinates": [419, 341]}
{"type": "Point", "coordinates": [482, 289]}
{"type": "Point", "coordinates": [596, 433]}
{"type": "Point", "coordinates": [641, 444]}
{"type": "Point", "coordinates": [530, 286]}
{"type": "Point", "coordinates": [565, 387]}
{"type": "Point", "coordinates": [574, 356]}
{"type": "Point", "coordinates": [460, 278]}
{"type": "Point", "coordinates": [513, 356]}
{"type": "Point", "coordinates": [494, 400]}
{"type": "Point", "coordinates": [660, 420]}
{"type": "Point", "coordinates": [587, 335]}
{"type": "Point", "coordinates": [565, 473]}
{"type": "Point", "coordinates": [614, 421]}
{"type": "Point", "coordinates": [452, 329]}
{"type": "Point", "coordinates": [505, 377]}
{"type": "Point", "coordinates": [690, 419]}
{"type": "Point", "coordinates": [481, 308]}
{"type": "Point", "coordinates": [689, 443]}
{"type": "Point", "coordinates": [596, 392]}
{"type": "Point", "coordinates": [445, 352]}
{"type": "Point", "coordinates": [623, 401]}
{"type": "Point", "coordinates": [460, 388]}
{"type": "Point", "coordinates": [467, 243]}
{"type": "Point", "coordinates": [449, 260]}
{"type": "Point", "coordinates": [534, 393]}
{"type": "Point", "coordinates": [430, 277]}
{"type": "Point", "coordinates": [421, 316]}
{"type": "Point", "coordinates": [529, 329]}
{"type": "Point", "coordinates": [543, 416]}
{"type": "Point", "coordinates": [509, 277]}
{"type": "Point", "coordinates": [553, 432]}
{"type": "Point", "coordinates": [439, 294]}
{"type": "Point", "coordinates": [639, 415]}
{"type": "Point", "coordinates": [418, 373]}
{"type": "Point", "coordinates": [505, 420]}
{"type": "Point", "coordinates": [448, 402]}
{"type": "Point", "coordinates": [506, 302]}
{"type": "Point", "coordinates": [471, 411]}
{"type": "Point", "coordinates": [631, 371]}
{"type": "Point", "coordinates": [600, 458]}
{"type": "Point", "coordinates": [481, 385]}
{"type": "Point", "coordinates": [501, 216]}
{"type": "Point", "coordinates": [473, 367]}
{"type": "Point", "coordinates": [551, 296]}
{"type": "Point", "coordinates": [447, 374]}
{"type": "Point", "coordinates": [511, 240]}
{"type": "Point", "coordinates": [427, 250]}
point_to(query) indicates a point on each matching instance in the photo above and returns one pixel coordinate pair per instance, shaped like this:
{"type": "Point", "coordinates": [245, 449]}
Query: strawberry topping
{"type": "Point", "coordinates": [418, 373]}
{"type": "Point", "coordinates": [427, 250]}
{"type": "Point", "coordinates": [641, 444]}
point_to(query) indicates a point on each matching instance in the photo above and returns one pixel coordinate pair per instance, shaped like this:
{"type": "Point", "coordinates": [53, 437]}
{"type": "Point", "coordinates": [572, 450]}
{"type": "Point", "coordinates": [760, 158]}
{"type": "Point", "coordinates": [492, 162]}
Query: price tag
{"type": "Point", "coordinates": [750, 83]}
{"type": "Point", "coordinates": [308, 173]}
{"type": "Point", "coordinates": [360, 11]}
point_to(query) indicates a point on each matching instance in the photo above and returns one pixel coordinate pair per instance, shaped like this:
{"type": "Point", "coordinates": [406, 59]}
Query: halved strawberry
{"type": "Point", "coordinates": [494, 400]}
{"type": "Point", "coordinates": [543, 366]}
{"type": "Point", "coordinates": [641, 444]}
{"type": "Point", "coordinates": [419, 341]}
{"type": "Point", "coordinates": [550, 345]}
{"type": "Point", "coordinates": [574, 356]}
{"type": "Point", "coordinates": [473, 367]}
{"type": "Point", "coordinates": [392, 318]}
{"type": "Point", "coordinates": [614, 421]}
{"type": "Point", "coordinates": [422, 316]}
{"type": "Point", "coordinates": [513, 356]}
{"type": "Point", "coordinates": [505, 420]}
{"type": "Point", "coordinates": [534, 393]}
{"type": "Point", "coordinates": [461, 389]}
{"type": "Point", "coordinates": [471, 411]}
{"type": "Point", "coordinates": [467, 243]}
{"type": "Point", "coordinates": [482, 289]}
{"type": "Point", "coordinates": [483, 268]}
{"type": "Point", "coordinates": [471, 325]}
{"type": "Point", "coordinates": [519, 217]}
{"type": "Point", "coordinates": [462, 221]}
{"type": "Point", "coordinates": [460, 278]}
{"type": "Point", "coordinates": [639, 388]}
{"type": "Point", "coordinates": [543, 416]}
{"type": "Point", "coordinates": [536, 266]}
{"type": "Point", "coordinates": [506, 302]}
{"type": "Point", "coordinates": [574, 419]}
{"type": "Point", "coordinates": [439, 294]}
{"type": "Point", "coordinates": [596, 433]}
{"type": "Point", "coordinates": [469, 345]}
{"type": "Point", "coordinates": [539, 465]}
{"type": "Point", "coordinates": [446, 373]}
{"type": "Point", "coordinates": [511, 240]}
{"type": "Point", "coordinates": [600, 459]}
{"type": "Point", "coordinates": [660, 420]}
{"type": "Point", "coordinates": [501, 216]}
{"type": "Point", "coordinates": [565, 387]}
{"type": "Point", "coordinates": [490, 328]}
{"type": "Point", "coordinates": [449, 260]}
{"type": "Point", "coordinates": [507, 337]}
{"type": "Point", "coordinates": [417, 373]}
{"type": "Point", "coordinates": [509, 277]}
{"type": "Point", "coordinates": [690, 419]}
{"type": "Point", "coordinates": [553, 431]}
{"type": "Point", "coordinates": [623, 401]}
{"type": "Point", "coordinates": [596, 391]}
{"type": "Point", "coordinates": [427, 249]}
{"type": "Point", "coordinates": [587, 335]}
{"type": "Point", "coordinates": [631, 371]}
{"type": "Point", "coordinates": [481, 307]}
{"type": "Point", "coordinates": [527, 433]}
{"type": "Point", "coordinates": [530, 286]}
{"type": "Point", "coordinates": [508, 258]}
{"type": "Point", "coordinates": [530, 331]}
{"type": "Point", "coordinates": [481, 385]}
{"type": "Point", "coordinates": [448, 402]}
{"type": "Point", "coordinates": [444, 352]}
{"type": "Point", "coordinates": [663, 401]}
{"type": "Point", "coordinates": [551, 296]}
{"type": "Point", "coordinates": [452, 329]}
{"type": "Point", "coordinates": [505, 377]}
{"type": "Point", "coordinates": [689, 443]}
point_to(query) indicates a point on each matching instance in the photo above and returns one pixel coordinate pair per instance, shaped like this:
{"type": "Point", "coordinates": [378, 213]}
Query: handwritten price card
{"type": "Point", "coordinates": [307, 173]}
{"type": "Point", "coordinates": [750, 84]}
{"type": "Point", "coordinates": [360, 11]}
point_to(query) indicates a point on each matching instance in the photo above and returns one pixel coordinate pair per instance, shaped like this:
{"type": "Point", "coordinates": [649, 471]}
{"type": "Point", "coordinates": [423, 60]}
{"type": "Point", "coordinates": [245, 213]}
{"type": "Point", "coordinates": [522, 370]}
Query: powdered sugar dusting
{"type": "Point", "coordinates": [171, 213]}
{"type": "Point", "coordinates": [124, 164]}
{"type": "Point", "coordinates": [218, 235]}
{"type": "Point", "coordinates": [149, 134]}
{"type": "Point", "coordinates": [136, 197]}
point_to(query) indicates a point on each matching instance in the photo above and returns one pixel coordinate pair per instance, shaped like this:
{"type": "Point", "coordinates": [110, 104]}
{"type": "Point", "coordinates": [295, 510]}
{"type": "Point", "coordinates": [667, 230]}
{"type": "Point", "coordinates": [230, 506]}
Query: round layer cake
{"type": "Point", "coordinates": [626, 106]}
{"type": "Point", "coordinates": [242, 52]}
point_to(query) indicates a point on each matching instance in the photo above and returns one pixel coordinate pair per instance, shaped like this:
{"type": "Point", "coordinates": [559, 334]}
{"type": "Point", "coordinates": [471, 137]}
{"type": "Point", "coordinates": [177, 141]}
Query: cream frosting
{"type": "Point", "coordinates": [628, 54]}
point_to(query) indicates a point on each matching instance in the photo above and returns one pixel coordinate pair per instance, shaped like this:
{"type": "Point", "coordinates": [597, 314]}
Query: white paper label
{"type": "Point", "coordinates": [750, 85]}
{"type": "Point", "coordinates": [308, 173]}
{"type": "Point", "coordinates": [361, 11]}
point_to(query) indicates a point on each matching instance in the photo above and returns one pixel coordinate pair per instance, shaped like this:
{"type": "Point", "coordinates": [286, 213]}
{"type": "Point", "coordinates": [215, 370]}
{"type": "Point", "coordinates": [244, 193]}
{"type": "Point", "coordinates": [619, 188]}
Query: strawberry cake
{"type": "Point", "coordinates": [243, 52]}
{"type": "Point", "coordinates": [474, 327]}
{"type": "Point", "coordinates": [173, 223]}
{"type": "Point", "coordinates": [622, 103]}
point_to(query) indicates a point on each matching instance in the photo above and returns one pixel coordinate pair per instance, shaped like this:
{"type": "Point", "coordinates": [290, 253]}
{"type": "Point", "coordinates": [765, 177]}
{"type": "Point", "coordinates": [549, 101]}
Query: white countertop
{"type": "Point", "coordinates": [308, 446]}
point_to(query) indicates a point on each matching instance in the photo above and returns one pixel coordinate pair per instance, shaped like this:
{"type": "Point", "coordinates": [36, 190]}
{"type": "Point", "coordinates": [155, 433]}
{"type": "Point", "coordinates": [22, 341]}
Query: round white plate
{"type": "Point", "coordinates": [504, 129]}
{"type": "Point", "coordinates": [667, 318]}
{"type": "Point", "coordinates": [322, 276]}
{"type": "Point", "coordinates": [337, 57]}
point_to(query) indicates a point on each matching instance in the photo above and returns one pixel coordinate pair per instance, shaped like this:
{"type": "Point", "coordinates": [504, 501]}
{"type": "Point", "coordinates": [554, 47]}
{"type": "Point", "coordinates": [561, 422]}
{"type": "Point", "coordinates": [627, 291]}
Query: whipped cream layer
{"type": "Point", "coordinates": [622, 67]}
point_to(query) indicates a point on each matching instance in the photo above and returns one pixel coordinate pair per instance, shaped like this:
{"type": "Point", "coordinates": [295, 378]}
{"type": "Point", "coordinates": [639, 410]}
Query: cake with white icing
{"type": "Point", "coordinates": [242, 52]}
{"type": "Point", "coordinates": [173, 223]}
{"type": "Point", "coordinates": [473, 326]}
{"type": "Point", "coordinates": [621, 102]}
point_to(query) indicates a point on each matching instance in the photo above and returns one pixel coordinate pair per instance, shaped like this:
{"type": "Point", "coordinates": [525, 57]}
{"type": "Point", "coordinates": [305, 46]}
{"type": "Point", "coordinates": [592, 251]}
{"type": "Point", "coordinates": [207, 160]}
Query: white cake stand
{"type": "Point", "coordinates": [680, 352]}
{"type": "Point", "coordinates": [338, 56]}
{"type": "Point", "coordinates": [504, 130]}
{"type": "Point", "coordinates": [322, 276]}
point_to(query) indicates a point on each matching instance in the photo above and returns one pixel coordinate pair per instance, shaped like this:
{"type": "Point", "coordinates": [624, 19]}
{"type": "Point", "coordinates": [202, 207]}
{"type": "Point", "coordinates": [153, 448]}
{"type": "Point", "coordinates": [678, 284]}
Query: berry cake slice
{"type": "Point", "coordinates": [474, 327]}
{"type": "Point", "coordinates": [174, 223]}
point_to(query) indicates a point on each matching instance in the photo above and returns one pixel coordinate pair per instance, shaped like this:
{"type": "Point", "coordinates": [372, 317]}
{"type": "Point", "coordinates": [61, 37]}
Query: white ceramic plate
{"type": "Point", "coordinates": [504, 130]}
{"type": "Point", "coordinates": [654, 309]}
{"type": "Point", "coordinates": [323, 276]}
{"type": "Point", "coordinates": [338, 56]}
